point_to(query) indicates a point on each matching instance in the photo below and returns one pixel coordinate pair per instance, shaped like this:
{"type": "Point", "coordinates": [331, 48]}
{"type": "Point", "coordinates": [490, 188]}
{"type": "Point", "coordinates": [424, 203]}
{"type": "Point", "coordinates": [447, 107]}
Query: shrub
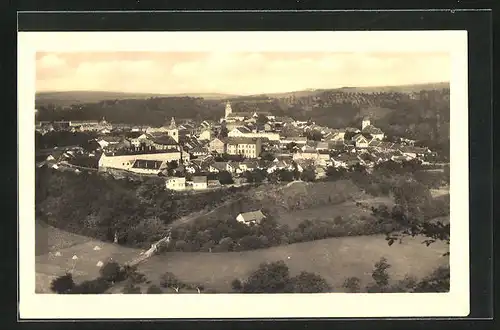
{"type": "Point", "coordinates": [131, 288]}
{"type": "Point", "coordinates": [96, 286]}
{"type": "Point", "coordinates": [352, 284]}
{"type": "Point", "coordinates": [379, 274]}
{"type": "Point", "coordinates": [307, 282]}
{"type": "Point", "coordinates": [63, 284]}
{"type": "Point", "coordinates": [169, 280]}
{"type": "Point", "coordinates": [236, 285]}
{"type": "Point", "coordinates": [111, 271]}
{"type": "Point", "coordinates": [154, 289]}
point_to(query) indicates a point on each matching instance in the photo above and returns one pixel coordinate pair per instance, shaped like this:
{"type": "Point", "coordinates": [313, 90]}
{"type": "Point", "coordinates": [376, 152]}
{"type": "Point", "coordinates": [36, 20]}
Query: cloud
{"type": "Point", "coordinates": [50, 61]}
{"type": "Point", "coordinates": [239, 73]}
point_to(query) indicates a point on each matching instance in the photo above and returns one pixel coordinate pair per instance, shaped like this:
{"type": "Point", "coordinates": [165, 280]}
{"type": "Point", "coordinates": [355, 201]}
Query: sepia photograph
{"type": "Point", "coordinates": [286, 169]}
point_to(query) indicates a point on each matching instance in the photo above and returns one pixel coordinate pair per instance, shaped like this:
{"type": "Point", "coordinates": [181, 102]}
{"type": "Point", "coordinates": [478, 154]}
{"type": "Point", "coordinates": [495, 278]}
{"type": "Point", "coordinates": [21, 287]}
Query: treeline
{"type": "Point", "coordinates": [64, 139]}
{"type": "Point", "coordinates": [152, 111]}
{"type": "Point", "coordinates": [274, 277]}
{"type": "Point", "coordinates": [437, 281]}
{"type": "Point", "coordinates": [110, 274]}
{"type": "Point", "coordinates": [138, 213]}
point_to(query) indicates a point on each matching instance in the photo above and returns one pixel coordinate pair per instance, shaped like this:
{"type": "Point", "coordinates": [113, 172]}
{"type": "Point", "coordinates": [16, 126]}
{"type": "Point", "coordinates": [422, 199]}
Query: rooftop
{"type": "Point", "coordinates": [147, 164]}
{"type": "Point", "coordinates": [199, 179]}
{"type": "Point", "coordinates": [252, 216]}
{"type": "Point", "coordinates": [242, 140]}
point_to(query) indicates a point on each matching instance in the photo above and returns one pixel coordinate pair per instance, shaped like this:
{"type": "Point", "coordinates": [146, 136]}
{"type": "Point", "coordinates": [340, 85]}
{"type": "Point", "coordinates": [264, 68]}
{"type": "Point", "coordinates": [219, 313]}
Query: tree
{"type": "Point", "coordinates": [169, 280]}
{"type": "Point", "coordinates": [314, 135]}
{"type": "Point", "coordinates": [154, 289]}
{"type": "Point", "coordinates": [292, 146]}
{"type": "Point", "coordinates": [96, 286]}
{"type": "Point", "coordinates": [268, 278]}
{"type": "Point", "coordinates": [437, 281]}
{"type": "Point", "coordinates": [308, 174]}
{"type": "Point", "coordinates": [131, 288]}
{"type": "Point", "coordinates": [150, 189]}
{"type": "Point", "coordinates": [131, 273]}
{"type": "Point", "coordinates": [63, 284]}
{"type": "Point", "coordinates": [352, 284]}
{"type": "Point", "coordinates": [236, 285]}
{"type": "Point", "coordinates": [251, 242]}
{"type": "Point", "coordinates": [181, 245]}
{"type": "Point", "coordinates": [111, 271]}
{"type": "Point", "coordinates": [380, 276]}
{"type": "Point", "coordinates": [267, 155]}
{"type": "Point", "coordinates": [223, 131]}
{"type": "Point", "coordinates": [307, 282]}
{"type": "Point", "coordinates": [261, 119]}
{"type": "Point", "coordinates": [285, 175]}
{"type": "Point", "coordinates": [225, 177]}
{"type": "Point", "coordinates": [407, 284]}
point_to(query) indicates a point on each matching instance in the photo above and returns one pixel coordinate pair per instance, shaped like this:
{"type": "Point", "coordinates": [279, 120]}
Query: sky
{"type": "Point", "coordinates": [233, 73]}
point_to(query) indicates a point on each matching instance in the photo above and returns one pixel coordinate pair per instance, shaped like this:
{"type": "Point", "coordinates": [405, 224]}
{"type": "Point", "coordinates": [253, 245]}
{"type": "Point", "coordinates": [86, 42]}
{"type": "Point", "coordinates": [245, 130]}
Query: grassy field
{"type": "Point", "coordinates": [50, 239]}
{"type": "Point", "coordinates": [345, 210]}
{"type": "Point", "coordinates": [335, 259]}
{"type": "Point", "coordinates": [49, 265]}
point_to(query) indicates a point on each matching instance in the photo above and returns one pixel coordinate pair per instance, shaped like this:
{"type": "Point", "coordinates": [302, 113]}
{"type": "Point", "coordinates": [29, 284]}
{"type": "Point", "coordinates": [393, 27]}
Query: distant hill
{"type": "Point", "coordinates": [78, 97]}
{"type": "Point", "coordinates": [377, 89]}
{"type": "Point", "coordinates": [397, 89]}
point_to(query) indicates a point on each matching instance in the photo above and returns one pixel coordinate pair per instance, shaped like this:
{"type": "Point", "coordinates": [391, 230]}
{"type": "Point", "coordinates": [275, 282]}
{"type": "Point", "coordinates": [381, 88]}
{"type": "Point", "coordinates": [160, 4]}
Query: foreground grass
{"type": "Point", "coordinates": [335, 259]}
{"type": "Point", "coordinates": [49, 265]}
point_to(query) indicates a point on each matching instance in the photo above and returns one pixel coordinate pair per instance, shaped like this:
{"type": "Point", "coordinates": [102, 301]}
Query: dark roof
{"type": "Point", "coordinates": [372, 130]}
{"type": "Point", "coordinates": [416, 150]}
{"type": "Point", "coordinates": [199, 179]}
{"type": "Point", "coordinates": [111, 138]}
{"type": "Point", "coordinates": [241, 140]}
{"type": "Point", "coordinates": [243, 129]}
{"type": "Point", "coordinates": [219, 165]}
{"type": "Point", "coordinates": [147, 164]}
{"type": "Point", "coordinates": [163, 139]}
{"type": "Point", "coordinates": [199, 149]}
{"type": "Point", "coordinates": [133, 135]}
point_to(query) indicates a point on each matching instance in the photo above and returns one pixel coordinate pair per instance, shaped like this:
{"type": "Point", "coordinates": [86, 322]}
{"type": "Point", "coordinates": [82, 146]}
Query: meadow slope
{"type": "Point", "coordinates": [334, 259]}
{"type": "Point", "coordinates": [55, 251]}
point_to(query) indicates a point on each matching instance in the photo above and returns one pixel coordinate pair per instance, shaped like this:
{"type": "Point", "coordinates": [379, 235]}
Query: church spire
{"type": "Point", "coordinates": [228, 110]}
{"type": "Point", "coordinates": [172, 123]}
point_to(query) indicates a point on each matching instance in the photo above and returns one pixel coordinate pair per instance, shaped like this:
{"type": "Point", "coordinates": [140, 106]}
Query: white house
{"type": "Point", "coordinates": [248, 218]}
{"type": "Point", "coordinates": [206, 135]}
{"type": "Point", "coordinates": [200, 182]}
{"type": "Point", "coordinates": [174, 183]}
{"type": "Point", "coordinates": [360, 141]}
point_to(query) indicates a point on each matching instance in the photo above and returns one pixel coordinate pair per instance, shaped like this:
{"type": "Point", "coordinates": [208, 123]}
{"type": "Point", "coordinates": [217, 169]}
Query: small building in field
{"type": "Point", "coordinates": [254, 217]}
{"type": "Point", "coordinates": [200, 182]}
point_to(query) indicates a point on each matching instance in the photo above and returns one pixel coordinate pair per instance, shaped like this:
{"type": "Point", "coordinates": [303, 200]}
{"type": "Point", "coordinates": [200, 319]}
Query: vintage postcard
{"type": "Point", "coordinates": [243, 174]}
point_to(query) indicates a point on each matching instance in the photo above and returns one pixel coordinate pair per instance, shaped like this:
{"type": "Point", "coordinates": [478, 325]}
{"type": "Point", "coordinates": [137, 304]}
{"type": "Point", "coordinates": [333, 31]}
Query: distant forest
{"type": "Point", "coordinates": [423, 116]}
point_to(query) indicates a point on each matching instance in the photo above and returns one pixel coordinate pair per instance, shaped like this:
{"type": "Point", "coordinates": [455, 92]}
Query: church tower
{"type": "Point", "coordinates": [173, 131]}
{"type": "Point", "coordinates": [228, 109]}
{"type": "Point", "coordinates": [172, 123]}
{"type": "Point", "coordinates": [365, 123]}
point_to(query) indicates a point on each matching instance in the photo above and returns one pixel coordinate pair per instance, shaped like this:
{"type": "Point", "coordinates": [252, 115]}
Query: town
{"type": "Point", "coordinates": [208, 155]}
